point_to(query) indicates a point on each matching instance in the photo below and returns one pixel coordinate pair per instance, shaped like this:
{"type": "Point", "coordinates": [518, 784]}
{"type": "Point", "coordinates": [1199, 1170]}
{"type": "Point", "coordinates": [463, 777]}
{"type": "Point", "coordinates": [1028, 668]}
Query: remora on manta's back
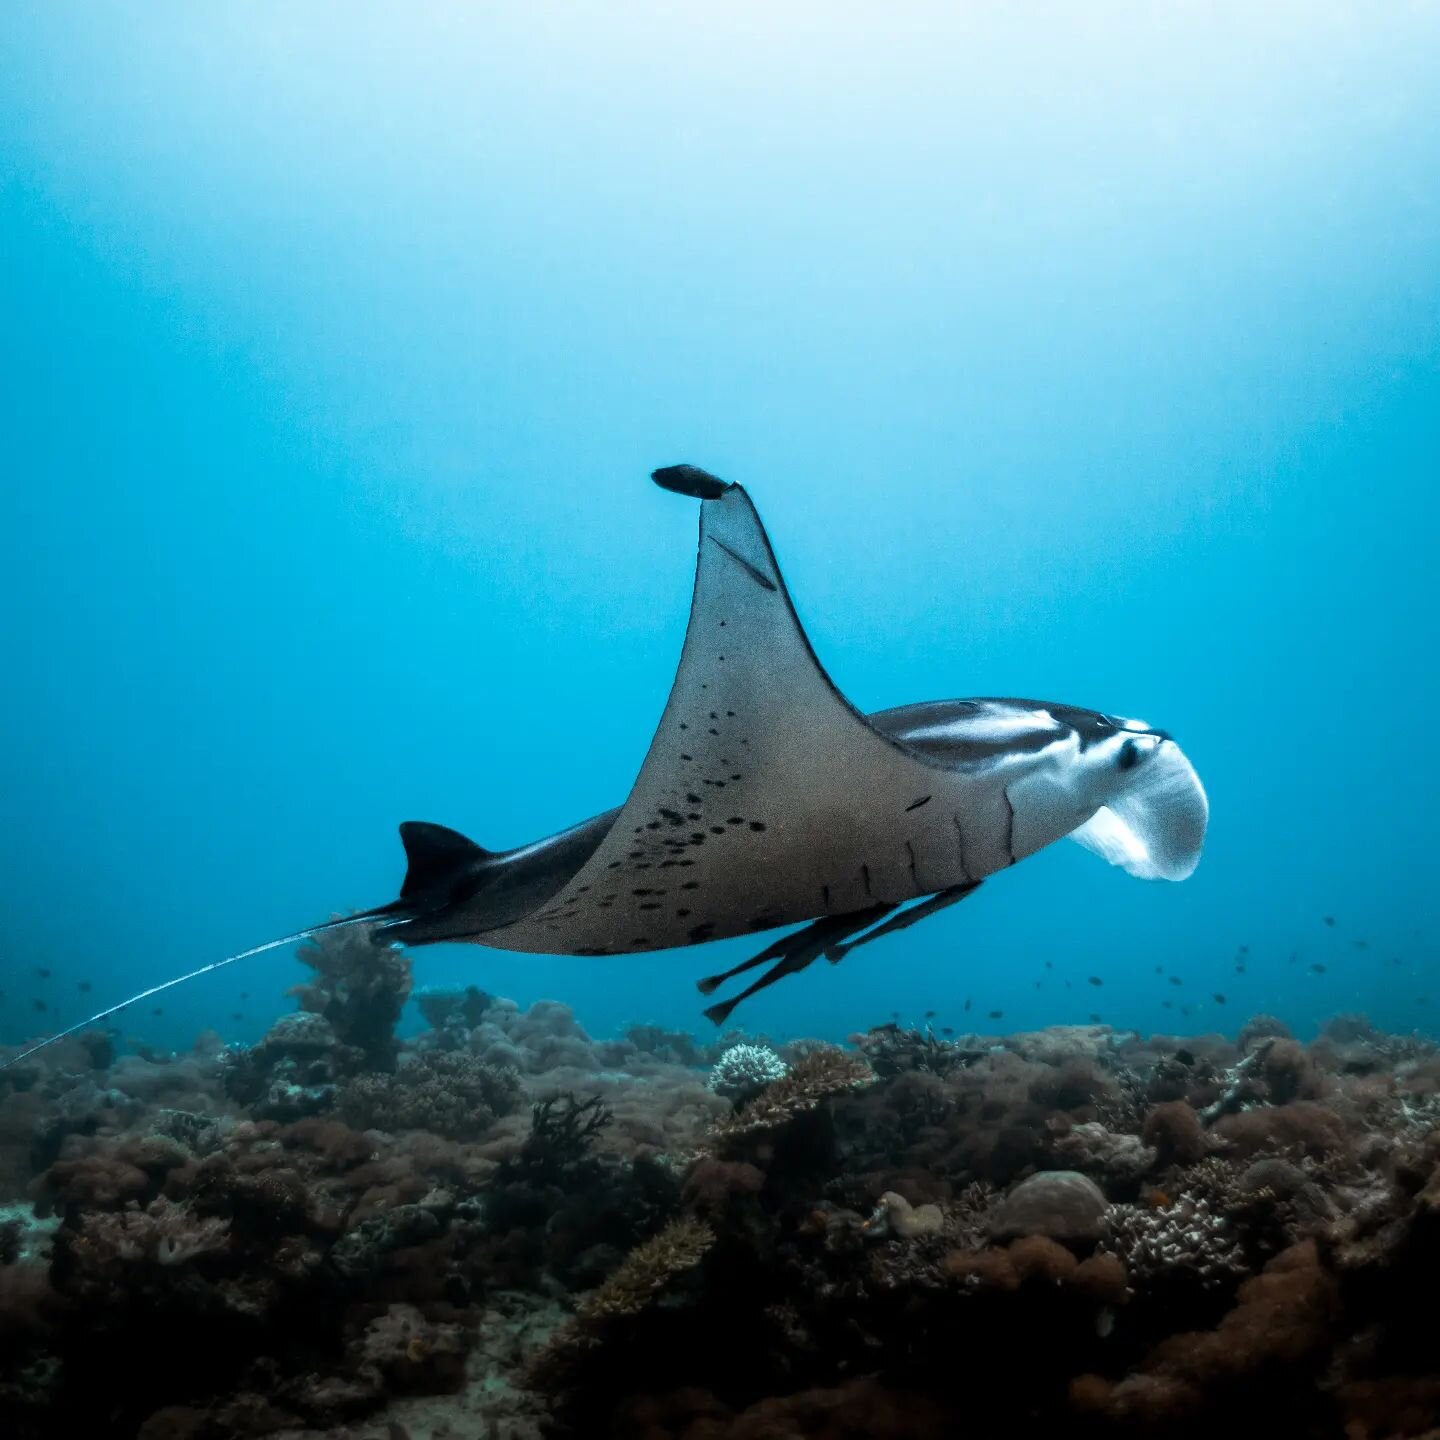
{"type": "Point", "coordinates": [766, 800]}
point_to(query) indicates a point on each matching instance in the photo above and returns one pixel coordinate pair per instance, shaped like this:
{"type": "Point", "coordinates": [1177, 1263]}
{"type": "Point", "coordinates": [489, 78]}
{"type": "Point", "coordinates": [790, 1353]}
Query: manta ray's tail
{"type": "Point", "coordinates": [307, 934]}
{"type": "Point", "coordinates": [434, 854]}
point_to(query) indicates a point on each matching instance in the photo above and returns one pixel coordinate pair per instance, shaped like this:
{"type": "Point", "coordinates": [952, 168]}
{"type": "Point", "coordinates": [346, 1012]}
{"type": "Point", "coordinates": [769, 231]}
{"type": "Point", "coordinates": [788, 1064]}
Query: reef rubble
{"type": "Point", "coordinates": [504, 1227]}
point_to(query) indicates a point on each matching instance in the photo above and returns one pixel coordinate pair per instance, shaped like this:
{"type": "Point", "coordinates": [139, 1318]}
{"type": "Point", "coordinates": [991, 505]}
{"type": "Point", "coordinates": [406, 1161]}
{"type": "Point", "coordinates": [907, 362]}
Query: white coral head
{"type": "Point", "coordinates": [745, 1068]}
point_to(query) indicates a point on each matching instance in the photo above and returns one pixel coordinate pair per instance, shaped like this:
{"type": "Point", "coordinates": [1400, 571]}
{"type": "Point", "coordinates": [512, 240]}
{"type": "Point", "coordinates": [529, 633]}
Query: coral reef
{"type": "Point", "coordinates": [502, 1226]}
{"type": "Point", "coordinates": [744, 1070]}
{"type": "Point", "coordinates": [448, 1093]}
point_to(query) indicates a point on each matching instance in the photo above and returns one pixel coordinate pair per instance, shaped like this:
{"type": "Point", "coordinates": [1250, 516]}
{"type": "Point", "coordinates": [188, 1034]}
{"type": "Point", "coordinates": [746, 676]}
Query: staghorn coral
{"type": "Point", "coordinates": [448, 1093]}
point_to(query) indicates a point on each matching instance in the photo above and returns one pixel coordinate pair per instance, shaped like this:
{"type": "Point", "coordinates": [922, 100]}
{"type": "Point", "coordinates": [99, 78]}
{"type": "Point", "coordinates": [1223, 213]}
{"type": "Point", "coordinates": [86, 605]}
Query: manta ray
{"type": "Point", "coordinates": [767, 800]}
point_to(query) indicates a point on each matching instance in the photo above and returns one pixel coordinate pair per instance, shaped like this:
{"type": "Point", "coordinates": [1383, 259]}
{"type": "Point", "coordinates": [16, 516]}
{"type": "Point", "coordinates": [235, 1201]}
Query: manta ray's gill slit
{"type": "Point", "coordinates": [916, 804]}
{"type": "Point", "coordinates": [1009, 823]}
{"type": "Point", "coordinates": [960, 845]}
{"type": "Point", "coordinates": [865, 877]}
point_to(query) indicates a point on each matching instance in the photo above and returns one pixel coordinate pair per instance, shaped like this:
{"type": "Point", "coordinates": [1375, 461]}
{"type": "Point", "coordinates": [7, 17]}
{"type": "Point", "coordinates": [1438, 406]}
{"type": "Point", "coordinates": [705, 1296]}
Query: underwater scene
{"type": "Point", "coordinates": [718, 721]}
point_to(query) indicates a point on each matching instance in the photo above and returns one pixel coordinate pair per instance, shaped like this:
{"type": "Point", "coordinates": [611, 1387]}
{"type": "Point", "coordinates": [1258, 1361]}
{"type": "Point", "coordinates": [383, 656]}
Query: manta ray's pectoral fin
{"type": "Point", "coordinates": [794, 952]}
{"type": "Point", "coordinates": [906, 918]}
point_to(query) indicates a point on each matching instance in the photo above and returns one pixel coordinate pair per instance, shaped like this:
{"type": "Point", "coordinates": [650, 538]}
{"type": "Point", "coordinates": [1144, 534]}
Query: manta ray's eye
{"type": "Point", "coordinates": [1129, 756]}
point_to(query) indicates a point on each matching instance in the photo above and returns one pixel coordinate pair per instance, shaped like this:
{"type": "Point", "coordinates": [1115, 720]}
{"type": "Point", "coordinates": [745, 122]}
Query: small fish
{"type": "Point", "coordinates": [930, 1014]}
{"type": "Point", "coordinates": [1167, 1004]}
{"type": "Point", "coordinates": [42, 972]}
{"type": "Point", "coordinates": [83, 987]}
{"type": "Point", "coordinates": [1243, 949]}
{"type": "Point", "coordinates": [1159, 969]}
{"type": "Point", "coordinates": [1185, 1057]}
{"type": "Point", "coordinates": [244, 994]}
{"type": "Point", "coordinates": [236, 1015]}
{"type": "Point", "coordinates": [1185, 1009]}
{"type": "Point", "coordinates": [1329, 919]}
{"type": "Point", "coordinates": [1096, 980]}
{"type": "Point", "coordinates": [967, 1002]}
{"type": "Point", "coordinates": [158, 1010]}
{"type": "Point", "coordinates": [1239, 969]}
{"type": "Point", "coordinates": [1049, 964]}
{"type": "Point", "coordinates": [1176, 980]}
{"type": "Point", "coordinates": [1361, 944]}
{"type": "Point", "coordinates": [1317, 968]}
{"type": "Point", "coordinates": [947, 1029]}
{"type": "Point", "coordinates": [1219, 998]}
{"type": "Point", "coordinates": [1094, 1019]}
{"type": "Point", "coordinates": [997, 1014]}
{"type": "Point", "coordinates": [40, 1005]}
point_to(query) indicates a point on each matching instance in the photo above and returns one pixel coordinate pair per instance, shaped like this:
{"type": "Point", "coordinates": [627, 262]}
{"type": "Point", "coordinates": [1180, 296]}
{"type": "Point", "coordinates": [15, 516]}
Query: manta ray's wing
{"type": "Point", "coordinates": [766, 798]}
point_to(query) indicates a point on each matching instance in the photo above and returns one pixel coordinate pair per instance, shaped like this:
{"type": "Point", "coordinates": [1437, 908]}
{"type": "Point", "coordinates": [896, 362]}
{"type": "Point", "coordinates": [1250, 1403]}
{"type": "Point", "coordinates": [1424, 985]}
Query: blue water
{"type": "Point", "coordinates": [1080, 352]}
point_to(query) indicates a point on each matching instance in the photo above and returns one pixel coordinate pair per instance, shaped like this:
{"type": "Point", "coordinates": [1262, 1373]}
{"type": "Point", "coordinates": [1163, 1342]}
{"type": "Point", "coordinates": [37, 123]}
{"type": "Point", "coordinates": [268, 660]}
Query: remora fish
{"type": "Point", "coordinates": [767, 800]}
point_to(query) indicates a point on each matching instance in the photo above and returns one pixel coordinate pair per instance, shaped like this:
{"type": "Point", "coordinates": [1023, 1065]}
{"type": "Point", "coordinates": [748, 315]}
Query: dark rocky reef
{"type": "Point", "coordinates": [504, 1227]}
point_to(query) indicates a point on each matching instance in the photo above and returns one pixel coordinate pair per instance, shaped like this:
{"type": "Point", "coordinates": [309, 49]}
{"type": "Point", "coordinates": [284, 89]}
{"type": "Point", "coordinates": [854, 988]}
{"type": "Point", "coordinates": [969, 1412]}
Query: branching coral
{"type": "Point", "coordinates": [1096, 1151]}
{"type": "Point", "coordinates": [745, 1069]}
{"type": "Point", "coordinates": [647, 1270]}
{"type": "Point", "coordinates": [1186, 1237]}
{"type": "Point", "coordinates": [360, 987]}
{"type": "Point", "coordinates": [446, 1092]}
{"type": "Point", "coordinates": [894, 1050]}
{"type": "Point", "coordinates": [450, 1008]}
{"type": "Point", "coordinates": [164, 1232]}
{"type": "Point", "coordinates": [562, 1131]}
{"type": "Point", "coordinates": [814, 1077]}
